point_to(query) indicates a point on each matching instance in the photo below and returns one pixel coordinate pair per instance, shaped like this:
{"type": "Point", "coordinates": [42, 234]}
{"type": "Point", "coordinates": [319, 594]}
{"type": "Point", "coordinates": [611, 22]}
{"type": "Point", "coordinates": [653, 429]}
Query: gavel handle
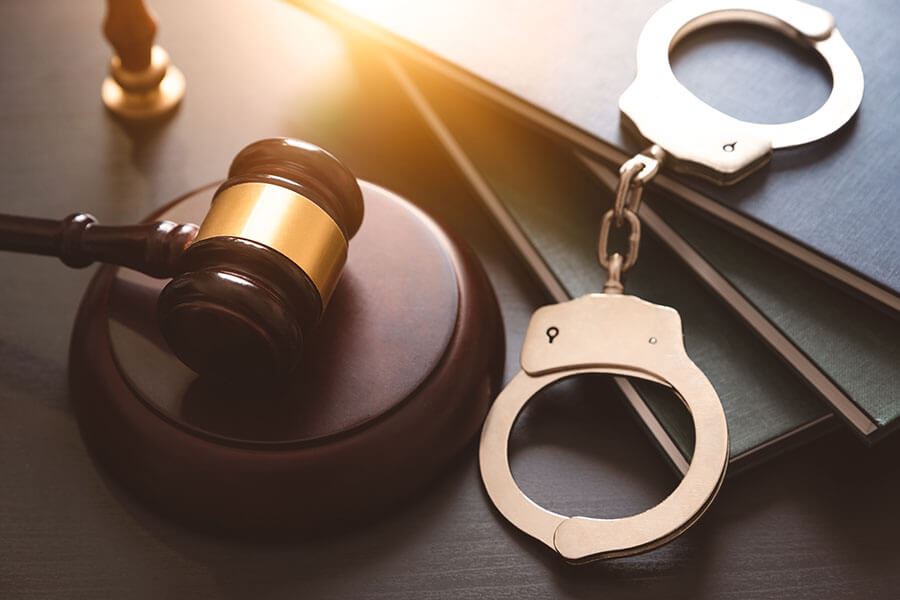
{"type": "Point", "coordinates": [77, 240]}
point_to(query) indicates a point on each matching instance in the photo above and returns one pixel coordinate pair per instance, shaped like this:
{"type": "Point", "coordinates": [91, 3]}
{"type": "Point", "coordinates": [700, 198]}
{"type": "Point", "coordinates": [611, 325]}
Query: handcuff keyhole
{"type": "Point", "coordinates": [552, 332]}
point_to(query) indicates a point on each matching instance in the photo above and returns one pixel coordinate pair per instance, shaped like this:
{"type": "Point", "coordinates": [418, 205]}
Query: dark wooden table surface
{"type": "Point", "coordinates": [820, 522]}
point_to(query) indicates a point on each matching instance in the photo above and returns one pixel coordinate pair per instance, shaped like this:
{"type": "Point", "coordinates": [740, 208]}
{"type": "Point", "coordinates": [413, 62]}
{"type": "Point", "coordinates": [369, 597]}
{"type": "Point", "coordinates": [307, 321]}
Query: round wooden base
{"type": "Point", "coordinates": [396, 380]}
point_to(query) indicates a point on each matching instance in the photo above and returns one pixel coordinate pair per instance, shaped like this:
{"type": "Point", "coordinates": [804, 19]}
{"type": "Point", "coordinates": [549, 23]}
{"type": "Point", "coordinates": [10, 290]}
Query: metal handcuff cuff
{"type": "Point", "coordinates": [618, 334]}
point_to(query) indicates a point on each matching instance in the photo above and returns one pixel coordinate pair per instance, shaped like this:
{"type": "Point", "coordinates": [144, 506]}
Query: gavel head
{"type": "Point", "coordinates": [262, 268]}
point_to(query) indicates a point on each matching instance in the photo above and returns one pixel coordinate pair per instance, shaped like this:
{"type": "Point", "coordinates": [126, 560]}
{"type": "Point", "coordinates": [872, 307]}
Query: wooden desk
{"type": "Point", "coordinates": [821, 522]}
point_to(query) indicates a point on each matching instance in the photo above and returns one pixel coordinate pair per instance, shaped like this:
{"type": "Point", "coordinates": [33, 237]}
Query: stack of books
{"type": "Point", "coordinates": [788, 282]}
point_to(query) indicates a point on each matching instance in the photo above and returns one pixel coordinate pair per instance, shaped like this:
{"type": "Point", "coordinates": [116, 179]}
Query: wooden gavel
{"type": "Point", "coordinates": [251, 282]}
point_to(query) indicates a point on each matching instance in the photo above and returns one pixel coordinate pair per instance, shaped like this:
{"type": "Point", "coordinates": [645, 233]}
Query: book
{"type": "Point", "coordinates": [845, 349]}
{"type": "Point", "coordinates": [550, 205]}
{"type": "Point", "coordinates": [563, 66]}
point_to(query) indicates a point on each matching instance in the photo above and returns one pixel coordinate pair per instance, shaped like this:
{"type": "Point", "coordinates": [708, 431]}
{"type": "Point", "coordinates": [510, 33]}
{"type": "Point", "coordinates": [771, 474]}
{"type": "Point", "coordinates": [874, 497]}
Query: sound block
{"type": "Point", "coordinates": [397, 379]}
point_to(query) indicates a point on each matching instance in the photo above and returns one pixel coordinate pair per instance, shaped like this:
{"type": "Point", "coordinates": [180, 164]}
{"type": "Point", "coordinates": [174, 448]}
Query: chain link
{"type": "Point", "coordinates": [634, 239]}
{"type": "Point", "coordinates": [633, 174]}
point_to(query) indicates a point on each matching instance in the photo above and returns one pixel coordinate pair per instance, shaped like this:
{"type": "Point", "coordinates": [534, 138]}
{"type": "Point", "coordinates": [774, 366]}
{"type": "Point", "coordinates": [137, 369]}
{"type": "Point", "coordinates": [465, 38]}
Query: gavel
{"type": "Point", "coordinates": [251, 282]}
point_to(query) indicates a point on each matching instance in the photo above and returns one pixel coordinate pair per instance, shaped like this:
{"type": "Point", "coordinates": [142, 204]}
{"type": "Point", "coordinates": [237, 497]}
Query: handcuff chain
{"type": "Point", "coordinates": [633, 174]}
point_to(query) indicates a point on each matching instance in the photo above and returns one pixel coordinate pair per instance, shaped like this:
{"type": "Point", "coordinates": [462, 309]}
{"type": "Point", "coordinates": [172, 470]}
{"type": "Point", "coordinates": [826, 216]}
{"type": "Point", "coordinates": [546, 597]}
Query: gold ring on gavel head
{"type": "Point", "coordinates": [285, 221]}
{"type": "Point", "coordinates": [622, 335]}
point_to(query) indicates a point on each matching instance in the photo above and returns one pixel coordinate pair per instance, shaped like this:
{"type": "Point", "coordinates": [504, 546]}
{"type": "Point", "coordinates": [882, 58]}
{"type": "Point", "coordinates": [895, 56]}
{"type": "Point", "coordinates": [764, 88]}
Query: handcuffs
{"type": "Point", "coordinates": [618, 334]}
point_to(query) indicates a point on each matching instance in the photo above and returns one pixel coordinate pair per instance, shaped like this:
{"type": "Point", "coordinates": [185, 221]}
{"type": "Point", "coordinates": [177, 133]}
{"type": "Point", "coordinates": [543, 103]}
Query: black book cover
{"type": "Point", "coordinates": [557, 203]}
{"type": "Point", "coordinates": [563, 65]}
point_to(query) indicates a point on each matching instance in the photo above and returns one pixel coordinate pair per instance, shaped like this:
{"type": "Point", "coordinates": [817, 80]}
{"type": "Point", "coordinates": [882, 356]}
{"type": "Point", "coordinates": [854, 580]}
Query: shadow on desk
{"type": "Point", "coordinates": [782, 528]}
